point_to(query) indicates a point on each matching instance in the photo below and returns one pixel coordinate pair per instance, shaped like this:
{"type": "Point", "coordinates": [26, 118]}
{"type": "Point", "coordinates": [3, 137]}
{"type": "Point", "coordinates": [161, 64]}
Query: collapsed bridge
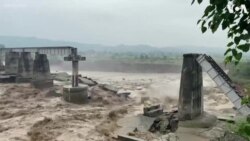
{"type": "Point", "coordinates": [191, 103]}
{"type": "Point", "coordinates": [20, 66]}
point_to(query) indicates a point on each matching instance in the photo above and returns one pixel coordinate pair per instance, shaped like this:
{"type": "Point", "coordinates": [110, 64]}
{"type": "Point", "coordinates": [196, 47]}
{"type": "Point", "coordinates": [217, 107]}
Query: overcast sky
{"type": "Point", "coordinates": [109, 22]}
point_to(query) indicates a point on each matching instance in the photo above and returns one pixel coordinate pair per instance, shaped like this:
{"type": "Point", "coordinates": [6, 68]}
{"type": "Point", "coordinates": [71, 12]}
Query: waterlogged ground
{"type": "Point", "coordinates": [28, 114]}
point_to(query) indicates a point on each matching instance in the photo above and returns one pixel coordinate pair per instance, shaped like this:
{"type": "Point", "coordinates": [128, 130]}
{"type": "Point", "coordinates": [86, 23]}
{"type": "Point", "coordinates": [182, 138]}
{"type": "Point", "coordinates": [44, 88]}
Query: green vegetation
{"type": "Point", "coordinates": [240, 74]}
{"type": "Point", "coordinates": [233, 16]}
{"type": "Point", "coordinates": [241, 128]}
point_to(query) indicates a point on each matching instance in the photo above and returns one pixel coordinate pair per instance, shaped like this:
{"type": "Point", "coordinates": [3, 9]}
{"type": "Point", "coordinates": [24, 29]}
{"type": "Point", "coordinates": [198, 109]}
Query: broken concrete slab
{"type": "Point", "coordinates": [61, 76]}
{"type": "Point", "coordinates": [124, 94]}
{"type": "Point", "coordinates": [122, 137]}
{"type": "Point", "coordinates": [108, 88]}
{"type": "Point", "coordinates": [229, 119]}
{"type": "Point", "coordinates": [166, 123]}
{"type": "Point", "coordinates": [170, 137]}
{"type": "Point", "coordinates": [78, 95]}
{"type": "Point", "coordinates": [153, 111]}
{"type": "Point", "coordinates": [140, 122]}
{"type": "Point", "coordinates": [87, 81]}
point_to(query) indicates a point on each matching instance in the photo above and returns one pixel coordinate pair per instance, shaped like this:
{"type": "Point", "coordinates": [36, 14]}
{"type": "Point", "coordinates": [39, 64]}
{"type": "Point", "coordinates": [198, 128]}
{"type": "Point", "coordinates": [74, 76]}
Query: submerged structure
{"type": "Point", "coordinates": [21, 67]}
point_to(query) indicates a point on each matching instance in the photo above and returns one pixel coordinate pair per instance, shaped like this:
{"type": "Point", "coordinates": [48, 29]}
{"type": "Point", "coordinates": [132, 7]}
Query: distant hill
{"type": "Point", "coordinates": [15, 41]}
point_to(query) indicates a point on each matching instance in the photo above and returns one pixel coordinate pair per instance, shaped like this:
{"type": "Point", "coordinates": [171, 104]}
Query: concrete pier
{"type": "Point", "coordinates": [76, 95]}
{"type": "Point", "coordinates": [11, 62]}
{"type": "Point", "coordinates": [25, 67]}
{"type": "Point", "coordinates": [1, 64]}
{"type": "Point", "coordinates": [190, 96]}
{"type": "Point", "coordinates": [41, 72]}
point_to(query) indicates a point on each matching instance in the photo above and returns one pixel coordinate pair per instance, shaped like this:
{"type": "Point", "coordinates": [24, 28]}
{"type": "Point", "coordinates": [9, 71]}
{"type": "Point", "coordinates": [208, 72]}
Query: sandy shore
{"type": "Point", "coordinates": [27, 114]}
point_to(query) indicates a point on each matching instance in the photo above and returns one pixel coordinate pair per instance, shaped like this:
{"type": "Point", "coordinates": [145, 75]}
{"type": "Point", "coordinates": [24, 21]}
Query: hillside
{"type": "Point", "coordinates": [15, 41]}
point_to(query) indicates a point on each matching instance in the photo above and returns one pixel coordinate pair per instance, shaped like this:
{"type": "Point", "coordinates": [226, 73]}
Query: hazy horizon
{"type": "Point", "coordinates": [160, 23]}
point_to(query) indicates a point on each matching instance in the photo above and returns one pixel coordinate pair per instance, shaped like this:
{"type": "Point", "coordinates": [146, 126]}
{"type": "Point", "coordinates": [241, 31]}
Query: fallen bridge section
{"type": "Point", "coordinates": [21, 65]}
{"type": "Point", "coordinates": [223, 82]}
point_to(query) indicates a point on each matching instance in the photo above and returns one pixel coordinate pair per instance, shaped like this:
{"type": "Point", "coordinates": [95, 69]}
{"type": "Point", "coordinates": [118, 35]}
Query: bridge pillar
{"type": "Point", "coordinates": [41, 72]}
{"type": "Point", "coordinates": [25, 67]}
{"type": "Point", "coordinates": [2, 68]}
{"type": "Point", "coordinates": [11, 62]}
{"type": "Point", "coordinates": [190, 95]}
{"type": "Point", "coordinates": [75, 93]}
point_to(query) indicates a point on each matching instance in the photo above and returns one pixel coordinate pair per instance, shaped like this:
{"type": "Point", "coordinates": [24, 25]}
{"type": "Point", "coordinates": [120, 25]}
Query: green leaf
{"type": "Point", "coordinates": [199, 21]}
{"type": "Point", "coordinates": [228, 59]}
{"type": "Point", "coordinates": [234, 52]}
{"type": "Point", "coordinates": [225, 24]}
{"type": "Point", "coordinates": [216, 22]}
{"type": "Point", "coordinates": [228, 50]}
{"type": "Point", "coordinates": [203, 23]}
{"type": "Point", "coordinates": [212, 1]}
{"type": "Point", "coordinates": [230, 44]}
{"type": "Point", "coordinates": [230, 35]}
{"type": "Point", "coordinates": [237, 40]}
{"type": "Point", "coordinates": [238, 56]}
{"type": "Point", "coordinates": [199, 1]}
{"type": "Point", "coordinates": [245, 36]}
{"type": "Point", "coordinates": [214, 27]}
{"type": "Point", "coordinates": [203, 29]}
{"type": "Point", "coordinates": [192, 2]}
{"type": "Point", "coordinates": [244, 47]}
{"type": "Point", "coordinates": [208, 10]}
{"type": "Point", "coordinates": [231, 18]}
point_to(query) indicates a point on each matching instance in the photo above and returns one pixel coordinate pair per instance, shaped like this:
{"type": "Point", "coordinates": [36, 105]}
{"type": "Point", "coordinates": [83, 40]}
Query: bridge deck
{"type": "Point", "coordinates": [53, 50]}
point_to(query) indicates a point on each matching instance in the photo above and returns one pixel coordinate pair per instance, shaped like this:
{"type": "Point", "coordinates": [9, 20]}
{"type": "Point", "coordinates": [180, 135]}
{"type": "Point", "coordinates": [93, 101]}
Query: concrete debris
{"type": "Point", "coordinates": [108, 88]}
{"type": "Point", "coordinates": [165, 124]}
{"type": "Point", "coordinates": [226, 118]}
{"type": "Point", "coordinates": [228, 136]}
{"type": "Point", "coordinates": [153, 111]}
{"type": "Point", "coordinates": [62, 76]}
{"type": "Point", "coordinates": [128, 138]}
{"type": "Point", "coordinates": [65, 77]}
{"type": "Point", "coordinates": [144, 99]}
{"type": "Point", "coordinates": [87, 81]}
{"type": "Point", "coordinates": [215, 132]}
{"type": "Point", "coordinates": [124, 94]}
{"type": "Point", "coordinates": [170, 137]}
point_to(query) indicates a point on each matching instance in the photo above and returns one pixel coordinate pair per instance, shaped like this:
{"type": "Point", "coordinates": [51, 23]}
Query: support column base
{"type": "Point", "coordinates": [23, 80]}
{"type": "Point", "coordinates": [42, 84]}
{"type": "Point", "coordinates": [206, 120]}
{"type": "Point", "coordinates": [78, 95]}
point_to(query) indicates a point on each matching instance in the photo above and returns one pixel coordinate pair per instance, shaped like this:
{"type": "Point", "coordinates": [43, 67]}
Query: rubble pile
{"type": "Point", "coordinates": [166, 123]}
{"type": "Point", "coordinates": [102, 94]}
